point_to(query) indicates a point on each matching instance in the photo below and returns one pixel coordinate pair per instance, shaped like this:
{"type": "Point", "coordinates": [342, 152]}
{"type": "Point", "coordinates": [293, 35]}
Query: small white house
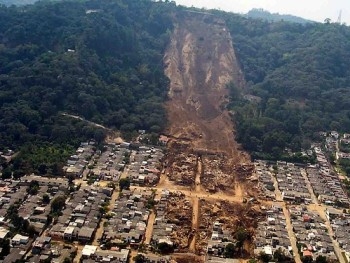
{"type": "Point", "coordinates": [19, 240]}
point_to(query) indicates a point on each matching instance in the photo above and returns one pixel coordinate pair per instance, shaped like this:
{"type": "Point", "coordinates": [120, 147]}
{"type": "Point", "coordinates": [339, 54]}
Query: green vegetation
{"type": "Point", "coordinates": [344, 147]}
{"type": "Point", "coordinates": [124, 183]}
{"type": "Point", "coordinates": [230, 250]}
{"type": "Point", "coordinates": [18, 223]}
{"type": "Point", "coordinates": [100, 60]}
{"type": "Point", "coordinates": [345, 165]}
{"type": "Point", "coordinates": [241, 235]}
{"type": "Point", "coordinates": [165, 248]}
{"type": "Point", "coordinates": [279, 256]}
{"type": "Point", "coordinates": [264, 257]}
{"type": "Point", "coordinates": [57, 205]}
{"type": "Point", "coordinates": [33, 187]}
{"type": "Point", "coordinates": [297, 83]}
{"type": "Point", "coordinates": [46, 199]}
{"type": "Point", "coordinates": [103, 61]}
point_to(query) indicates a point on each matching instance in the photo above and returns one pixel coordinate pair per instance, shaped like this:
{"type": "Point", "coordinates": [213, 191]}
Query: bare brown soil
{"type": "Point", "coordinates": [200, 62]}
{"type": "Point", "coordinates": [203, 160]}
{"type": "Point", "coordinates": [179, 213]}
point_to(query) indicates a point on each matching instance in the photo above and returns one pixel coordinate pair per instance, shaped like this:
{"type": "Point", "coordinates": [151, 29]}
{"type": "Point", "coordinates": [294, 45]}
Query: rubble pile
{"type": "Point", "coordinates": [218, 174]}
{"type": "Point", "coordinates": [179, 213]}
{"type": "Point", "coordinates": [182, 165]}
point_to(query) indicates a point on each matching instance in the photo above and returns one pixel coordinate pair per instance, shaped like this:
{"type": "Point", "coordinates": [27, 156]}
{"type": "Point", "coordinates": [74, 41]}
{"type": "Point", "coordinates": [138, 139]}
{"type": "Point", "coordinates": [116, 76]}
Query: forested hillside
{"type": "Point", "coordinates": [299, 76]}
{"type": "Point", "coordinates": [101, 60]}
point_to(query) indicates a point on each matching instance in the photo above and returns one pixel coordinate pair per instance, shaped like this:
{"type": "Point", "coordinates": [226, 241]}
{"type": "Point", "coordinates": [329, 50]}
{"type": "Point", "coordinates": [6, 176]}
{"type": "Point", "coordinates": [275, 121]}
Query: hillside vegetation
{"type": "Point", "coordinates": [298, 83]}
{"type": "Point", "coordinates": [101, 60]}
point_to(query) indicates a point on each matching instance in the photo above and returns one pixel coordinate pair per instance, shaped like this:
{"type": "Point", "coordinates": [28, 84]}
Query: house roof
{"type": "Point", "coordinates": [89, 250]}
{"type": "Point", "coordinates": [86, 232]}
{"type": "Point", "coordinates": [3, 232]}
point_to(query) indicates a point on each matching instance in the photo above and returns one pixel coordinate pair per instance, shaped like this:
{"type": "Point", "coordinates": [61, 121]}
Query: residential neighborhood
{"type": "Point", "coordinates": [88, 217]}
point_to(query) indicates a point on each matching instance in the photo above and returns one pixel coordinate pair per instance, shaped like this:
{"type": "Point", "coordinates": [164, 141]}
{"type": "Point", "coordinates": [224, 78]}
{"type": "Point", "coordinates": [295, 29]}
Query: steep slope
{"type": "Point", "coordinates": [199, 63]}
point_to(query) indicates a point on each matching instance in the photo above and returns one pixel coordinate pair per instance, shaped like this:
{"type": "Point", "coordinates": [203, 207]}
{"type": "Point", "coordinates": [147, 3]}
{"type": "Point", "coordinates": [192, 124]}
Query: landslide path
{"type": "Point", "coordinates": [203, 157]}
{"type": "Point", "coordinates": [199, 62]}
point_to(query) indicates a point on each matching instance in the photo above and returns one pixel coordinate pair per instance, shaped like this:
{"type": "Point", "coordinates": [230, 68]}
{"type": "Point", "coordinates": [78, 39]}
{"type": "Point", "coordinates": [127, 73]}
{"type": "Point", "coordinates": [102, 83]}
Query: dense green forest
{"type": "Point", "coordinates": [101, 60]}
{"type": "Point", "coordinates": [298, 83]}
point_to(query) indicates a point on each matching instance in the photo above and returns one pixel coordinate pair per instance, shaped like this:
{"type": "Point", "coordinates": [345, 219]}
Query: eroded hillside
{"type": "Point", "coordinates": [200, 62]}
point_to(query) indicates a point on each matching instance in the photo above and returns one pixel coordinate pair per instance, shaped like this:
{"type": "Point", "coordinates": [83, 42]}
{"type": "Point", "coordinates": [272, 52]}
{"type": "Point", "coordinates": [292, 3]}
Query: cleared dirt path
{"type": "Point", "coordinates": [150, 223]}
{"type": "Point", "coordinates": [291, 235]}
{"type": "Point", "coordinates": [149, 229]}
{"type": "Point", "coordinates": [195, 206]}
{"type": "Point", "coordinates": [191, 194]}
{"type": "Point", "coordinates": [321, 209]}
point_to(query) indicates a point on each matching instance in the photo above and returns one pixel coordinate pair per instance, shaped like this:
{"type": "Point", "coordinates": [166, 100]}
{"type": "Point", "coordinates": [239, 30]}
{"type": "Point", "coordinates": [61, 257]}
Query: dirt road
{"type": "Point", "coordinates": [321, 209]}
{"type": "Point", "coordinates": [150, 223]}
{"type": "Point", "coordinates": [291, 235]}
{"type": "Point", "coordinates": [195, 206]}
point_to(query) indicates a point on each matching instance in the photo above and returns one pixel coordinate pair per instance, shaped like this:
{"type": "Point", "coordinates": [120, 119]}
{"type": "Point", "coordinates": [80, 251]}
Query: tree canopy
{"type": "Point", "coordinates": [298, 79]}
{"type": "Point", "coordinates": [100, 60]}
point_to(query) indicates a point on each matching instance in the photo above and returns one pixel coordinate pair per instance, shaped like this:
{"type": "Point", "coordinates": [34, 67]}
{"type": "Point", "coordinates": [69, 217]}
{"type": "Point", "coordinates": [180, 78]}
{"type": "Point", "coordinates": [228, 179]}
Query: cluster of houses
{"type": "Point", "coordinates": [144, 168]}
{"type": "Point", "coordinates": [327, 187]}
{"type": "Point", "coordinates": [340, 223]}
{"type": "Point", "coordinates": [332, 141]}
{"type": "Point", "coordinates": [311, 233]}
{"type": "Point", "coordinates": [77, 162]}
{"type": "Point", "coordinates": [108, 164]}
{"type": "Point", "coordinates": [220, 238]}
{"type": "Point", "coordinates": [34, 209]}
{"type": "Point", "coordinates": [271, 234]}
{"type": "Point", "coordinates": [345, 141]}
{"type": "Point", "coordinates": [325, 182]}
{"type": "Point", "coordinates": [162, 230]}
{"type": "Point", "coordinates": [92, 254]}
{"type": "Point", "coordinates": [265, 180]}
{"type": "Point", "coordinates": [81, 216]}
{"type": "Point", "coordinates": [292, 184]}
{"type": "Point", "coordinates": [130, 216]}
